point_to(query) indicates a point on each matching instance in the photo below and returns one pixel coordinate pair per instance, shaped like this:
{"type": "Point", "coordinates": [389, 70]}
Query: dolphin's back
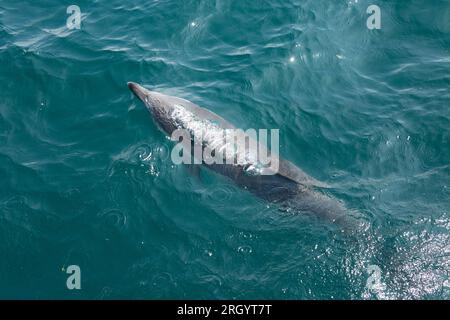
{"type": "Point", "coordinates": [286, 169]}
{"type": "Point", "coordinates": [201, 113]}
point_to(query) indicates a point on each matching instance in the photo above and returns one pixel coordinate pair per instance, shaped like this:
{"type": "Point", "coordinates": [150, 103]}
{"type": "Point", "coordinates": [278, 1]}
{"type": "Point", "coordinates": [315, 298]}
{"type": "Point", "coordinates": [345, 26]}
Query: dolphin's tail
{"type": "Point", "coordinates": [326, 209]}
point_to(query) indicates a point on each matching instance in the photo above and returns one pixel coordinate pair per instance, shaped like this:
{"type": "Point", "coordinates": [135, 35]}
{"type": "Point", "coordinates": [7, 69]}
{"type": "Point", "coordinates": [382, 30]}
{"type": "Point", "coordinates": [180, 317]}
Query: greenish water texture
{"type": "Point", "coordinates": [85, 178]}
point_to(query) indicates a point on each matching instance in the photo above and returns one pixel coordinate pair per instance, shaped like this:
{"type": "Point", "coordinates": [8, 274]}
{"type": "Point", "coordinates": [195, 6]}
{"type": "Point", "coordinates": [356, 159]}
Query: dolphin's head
{"type": "Point", "coordinates": [159, 105]}
{"type": "Point", "coordinates": [153, 100]}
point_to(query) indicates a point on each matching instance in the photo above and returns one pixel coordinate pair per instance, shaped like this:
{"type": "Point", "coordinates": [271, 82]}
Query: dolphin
{"type": "Point", "coordinates": [289, 186]}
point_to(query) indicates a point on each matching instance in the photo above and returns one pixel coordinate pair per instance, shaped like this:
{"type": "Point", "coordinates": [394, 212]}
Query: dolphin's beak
{"type": "Point", "coordinates": [138, 90]}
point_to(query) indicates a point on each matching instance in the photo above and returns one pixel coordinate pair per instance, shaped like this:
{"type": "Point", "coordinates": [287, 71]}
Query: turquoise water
{"type": "Point", "coordinates": [85, 177]}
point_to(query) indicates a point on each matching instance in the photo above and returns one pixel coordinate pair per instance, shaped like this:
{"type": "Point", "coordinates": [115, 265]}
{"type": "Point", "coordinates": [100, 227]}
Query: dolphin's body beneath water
{"type": "Point", "coordinates": [290, 186]}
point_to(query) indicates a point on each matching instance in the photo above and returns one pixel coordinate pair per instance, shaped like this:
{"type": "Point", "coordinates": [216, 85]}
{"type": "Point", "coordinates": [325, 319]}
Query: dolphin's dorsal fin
{"type": "Point", "coordinates": [291, 171]}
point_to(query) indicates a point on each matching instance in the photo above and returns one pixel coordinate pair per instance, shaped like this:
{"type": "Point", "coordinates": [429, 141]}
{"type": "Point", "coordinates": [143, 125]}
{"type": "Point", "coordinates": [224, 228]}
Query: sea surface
{"type": "Point", "coordinates": [86, 178]}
